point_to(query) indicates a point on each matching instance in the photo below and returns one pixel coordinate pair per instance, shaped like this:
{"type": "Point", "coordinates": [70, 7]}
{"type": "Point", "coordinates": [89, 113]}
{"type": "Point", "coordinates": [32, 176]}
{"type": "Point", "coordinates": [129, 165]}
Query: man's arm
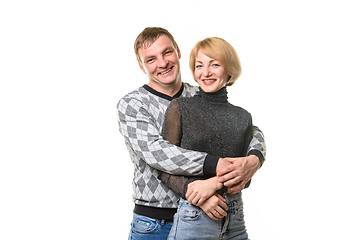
{"type": "Point", "coordinates": [257, 145]}
{"type": "Point", "coordinates": [234, 173]}
{"type": "Point", "coordinates": [142, 134]}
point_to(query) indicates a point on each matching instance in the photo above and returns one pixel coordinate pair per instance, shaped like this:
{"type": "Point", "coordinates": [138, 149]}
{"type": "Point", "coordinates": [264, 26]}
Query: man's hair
{"type": "Point", "coordinates": [220, 50]}
{"type": "Point", "coordinates": [148, 36]}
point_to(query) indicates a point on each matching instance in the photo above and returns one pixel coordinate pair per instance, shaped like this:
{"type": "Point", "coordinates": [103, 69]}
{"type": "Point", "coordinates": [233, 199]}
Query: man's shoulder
{"type": "Point", "coordinates": [137, 93]}
{"type": "Point", "coordinates": [134, 96]}
{"type": "Point", "coordinates": [189, 90]}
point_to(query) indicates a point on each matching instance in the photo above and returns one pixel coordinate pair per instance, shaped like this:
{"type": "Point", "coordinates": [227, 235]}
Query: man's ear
{"type": "Point", "coordinates": [178, 51]}
{"type": "Point", "coordinates": [142, 67]}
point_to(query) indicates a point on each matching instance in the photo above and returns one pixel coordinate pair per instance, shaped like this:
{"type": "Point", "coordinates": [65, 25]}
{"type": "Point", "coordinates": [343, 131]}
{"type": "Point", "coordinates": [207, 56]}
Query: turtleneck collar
{"type": "Point", "coordinates": [219, 96]}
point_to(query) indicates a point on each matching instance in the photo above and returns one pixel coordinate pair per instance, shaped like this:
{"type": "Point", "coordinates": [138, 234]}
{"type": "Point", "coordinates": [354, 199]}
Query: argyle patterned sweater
{"type": "Point", "coordinates": [140, 116]}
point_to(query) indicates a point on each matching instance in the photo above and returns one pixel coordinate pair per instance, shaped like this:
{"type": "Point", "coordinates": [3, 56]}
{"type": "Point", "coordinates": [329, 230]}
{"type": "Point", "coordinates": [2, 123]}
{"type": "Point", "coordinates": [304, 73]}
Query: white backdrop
{"type": "Point", "coordinates": [65, 172]}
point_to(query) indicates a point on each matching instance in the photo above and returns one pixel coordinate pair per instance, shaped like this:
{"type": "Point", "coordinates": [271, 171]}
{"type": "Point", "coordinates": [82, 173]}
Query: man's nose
{"type": "Point", "coordinates": [162, 62]}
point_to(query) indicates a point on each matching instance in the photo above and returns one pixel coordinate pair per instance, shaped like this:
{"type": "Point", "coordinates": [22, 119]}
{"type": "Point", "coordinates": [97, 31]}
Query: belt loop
{"type": "Point", "coordinates": [163, 222]}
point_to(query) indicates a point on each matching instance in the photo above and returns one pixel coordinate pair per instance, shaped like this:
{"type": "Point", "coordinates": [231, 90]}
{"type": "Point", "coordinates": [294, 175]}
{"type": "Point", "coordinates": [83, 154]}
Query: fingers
{"type": "Point", "coordinates": [225, 170]}
{"type": "Point", "coordinates": [217, 213]}
{"type": "Point", "coordinates": [236, 188]}
{"type": "Point", "coordinates": [215, 207]}
{"type": "Point", "coordinates": [200, 201]}
{"type": "Point", "coordinates": [221, 198]}
{"type": "Point", "coordinates": [195, 199]}
{"type": "Point", "coordinates": [189, 191]}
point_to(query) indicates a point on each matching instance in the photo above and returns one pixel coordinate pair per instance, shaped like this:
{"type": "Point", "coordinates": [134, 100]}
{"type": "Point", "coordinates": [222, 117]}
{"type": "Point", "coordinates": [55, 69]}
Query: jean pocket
{"type": "Point", "coordinates": [144, 225]}
{"type": "Point", "coordinates": [190, 213]}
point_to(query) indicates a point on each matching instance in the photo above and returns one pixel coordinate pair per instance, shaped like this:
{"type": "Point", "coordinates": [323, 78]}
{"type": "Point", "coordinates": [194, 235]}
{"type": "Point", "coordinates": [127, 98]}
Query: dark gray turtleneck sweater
{"type": "Point", "coordinates": [206, 122]}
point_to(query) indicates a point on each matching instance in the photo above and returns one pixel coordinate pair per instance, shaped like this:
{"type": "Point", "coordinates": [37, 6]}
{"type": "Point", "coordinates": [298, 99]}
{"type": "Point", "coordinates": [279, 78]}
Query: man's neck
{"type": "Point", "coordinates": [170, 89]}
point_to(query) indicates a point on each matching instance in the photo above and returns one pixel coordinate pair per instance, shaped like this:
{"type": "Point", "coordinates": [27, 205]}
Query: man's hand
{"type": "Point", "coordinates": [238, 173]}
{"type": "Point", "coordinates": [215, 207]}
{"type": "Point", "coordinates": [200, 190]}
{"type": "Point", "coordinates": [222, 163]}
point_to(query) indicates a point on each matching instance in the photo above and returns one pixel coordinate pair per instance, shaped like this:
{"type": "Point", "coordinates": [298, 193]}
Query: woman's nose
{"type": "Point", "coordinates": [206, 71]}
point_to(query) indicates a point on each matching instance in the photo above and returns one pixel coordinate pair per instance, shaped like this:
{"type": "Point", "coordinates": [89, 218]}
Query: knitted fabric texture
{"type": "Point", "coordinates": [141, 116]}
{"type": "Point", "coordinates": [206, 122]}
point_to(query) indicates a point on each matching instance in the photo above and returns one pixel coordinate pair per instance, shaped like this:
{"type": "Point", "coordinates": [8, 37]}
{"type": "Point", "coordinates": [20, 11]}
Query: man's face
{"type": "Point", "coordinates": [161, 62]}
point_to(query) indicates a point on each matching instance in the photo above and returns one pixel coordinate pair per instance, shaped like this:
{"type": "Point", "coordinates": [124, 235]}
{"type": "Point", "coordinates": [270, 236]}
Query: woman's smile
{"type": "Point", "coordinates": [209, 81]}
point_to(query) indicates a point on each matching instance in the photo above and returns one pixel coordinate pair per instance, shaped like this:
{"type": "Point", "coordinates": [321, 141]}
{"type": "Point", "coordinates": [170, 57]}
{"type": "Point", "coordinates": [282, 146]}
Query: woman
{"type": "Point", "coordinates": [208, 122]}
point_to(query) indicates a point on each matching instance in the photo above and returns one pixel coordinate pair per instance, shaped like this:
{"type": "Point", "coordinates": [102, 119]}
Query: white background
{"type": "Point", "coordinates": [65, 172]}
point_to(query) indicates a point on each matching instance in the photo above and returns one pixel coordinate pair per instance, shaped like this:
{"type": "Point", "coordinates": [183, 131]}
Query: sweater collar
{"type": "Point", "coordinates": [162, 95]}
{"type": "Point", "coordinates": [218, 97]}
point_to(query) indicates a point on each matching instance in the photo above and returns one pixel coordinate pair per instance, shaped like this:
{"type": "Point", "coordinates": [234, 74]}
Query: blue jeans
{"type": "Point", "coordinates": [147, 228]}
{"type": "Point", "coordinates": [190, 222]}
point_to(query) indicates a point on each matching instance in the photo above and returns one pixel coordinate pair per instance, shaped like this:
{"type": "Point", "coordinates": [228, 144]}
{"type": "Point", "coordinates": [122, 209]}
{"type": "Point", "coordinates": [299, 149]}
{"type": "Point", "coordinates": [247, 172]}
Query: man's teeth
{"type": "Point", "coordinates": [165, 71]}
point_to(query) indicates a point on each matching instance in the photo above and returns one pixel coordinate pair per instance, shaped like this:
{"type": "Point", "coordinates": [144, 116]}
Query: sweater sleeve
{"type": "Point", "coordinates": [257, 145]}
{"type": "Point", "coordinates": [172, 132]}
{"type": "Point", "coordinates": [142, 135]}
{"type": "Point", "coordinates": [248, 138]}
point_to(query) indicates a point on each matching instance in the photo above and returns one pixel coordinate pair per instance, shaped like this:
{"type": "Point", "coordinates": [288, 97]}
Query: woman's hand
{"type": "Point", "coordinates": [199, 191]}
{"type": "Point", "coordinates": [215, 207]}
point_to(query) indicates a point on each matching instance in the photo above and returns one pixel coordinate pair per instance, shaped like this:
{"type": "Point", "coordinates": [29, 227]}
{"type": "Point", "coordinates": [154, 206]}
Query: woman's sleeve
{"type": "Point", "coordinates": [178, 184]}
{"type": "Point", "coordinates": [171, 132]}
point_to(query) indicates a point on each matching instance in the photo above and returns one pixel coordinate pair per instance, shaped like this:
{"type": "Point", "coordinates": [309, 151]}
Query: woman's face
{"type": "Point", "coordinates": [210, 74]}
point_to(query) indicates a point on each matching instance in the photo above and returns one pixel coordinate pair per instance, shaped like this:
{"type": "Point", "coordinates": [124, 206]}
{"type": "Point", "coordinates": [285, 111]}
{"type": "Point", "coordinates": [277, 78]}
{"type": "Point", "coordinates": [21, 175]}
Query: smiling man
{"type": "Point", "coordinates": [160, 62]}
{"type": "Point", "coordinates": [141, 116]}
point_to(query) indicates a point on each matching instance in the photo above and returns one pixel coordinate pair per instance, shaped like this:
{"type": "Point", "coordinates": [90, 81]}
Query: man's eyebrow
{"type": "Point", "coordinates": [168, 48]}
{"type": "Point", "coordinates": [148, 57]}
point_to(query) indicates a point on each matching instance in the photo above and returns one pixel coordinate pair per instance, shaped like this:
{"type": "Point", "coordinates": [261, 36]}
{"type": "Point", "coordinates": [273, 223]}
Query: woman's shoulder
{"type": "Point", "coordinates": [242, 111]}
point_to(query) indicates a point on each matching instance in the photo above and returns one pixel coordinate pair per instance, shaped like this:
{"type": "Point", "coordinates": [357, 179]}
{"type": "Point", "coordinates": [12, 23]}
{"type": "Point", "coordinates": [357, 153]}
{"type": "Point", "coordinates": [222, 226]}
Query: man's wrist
{"type": "Point", "coordinates": [255, 161]}
{"type": "Point", "coordinates": [259, 156]}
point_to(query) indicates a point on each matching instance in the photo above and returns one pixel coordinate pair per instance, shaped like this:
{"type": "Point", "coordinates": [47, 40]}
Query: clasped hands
{"type": "Point", "coordinates": [233, 173]}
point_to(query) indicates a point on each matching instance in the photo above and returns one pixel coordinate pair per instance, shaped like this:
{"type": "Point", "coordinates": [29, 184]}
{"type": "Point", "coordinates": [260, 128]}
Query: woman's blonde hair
{"type": "Point", "coordinates": [220, 50]}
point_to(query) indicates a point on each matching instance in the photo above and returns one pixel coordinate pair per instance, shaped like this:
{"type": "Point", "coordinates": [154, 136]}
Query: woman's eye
{"type": "Point", "coordinates": [198, 66]}
{"type": "Point", "coordinates": [216, 65]}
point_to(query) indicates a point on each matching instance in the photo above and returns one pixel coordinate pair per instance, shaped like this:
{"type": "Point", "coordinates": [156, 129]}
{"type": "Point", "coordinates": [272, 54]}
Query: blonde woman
{"type": "Point", "coordinates": [207, 122]}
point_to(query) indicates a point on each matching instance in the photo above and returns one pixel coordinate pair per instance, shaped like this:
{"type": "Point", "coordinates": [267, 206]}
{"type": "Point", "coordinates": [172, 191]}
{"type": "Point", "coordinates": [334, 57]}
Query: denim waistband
{"type": "Point", "coordinates": [230, 199]}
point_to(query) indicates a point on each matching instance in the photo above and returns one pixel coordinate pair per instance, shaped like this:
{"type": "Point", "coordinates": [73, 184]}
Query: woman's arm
{"type": "Point", "coordinates": [199, 191]}
{"type": "Point", "coordinates": [172, 132]}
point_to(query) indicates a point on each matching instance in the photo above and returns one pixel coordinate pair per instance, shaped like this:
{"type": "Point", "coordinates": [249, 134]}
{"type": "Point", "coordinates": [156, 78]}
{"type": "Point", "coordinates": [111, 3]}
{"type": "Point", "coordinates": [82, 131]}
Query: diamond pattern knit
{"type": "Point", "coordinates": [141, 116]}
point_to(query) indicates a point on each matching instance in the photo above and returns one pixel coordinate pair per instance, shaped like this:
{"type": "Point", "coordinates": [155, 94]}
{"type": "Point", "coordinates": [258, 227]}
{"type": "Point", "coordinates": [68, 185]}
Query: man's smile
{"type": "Point", "coordinates": [165, 72]}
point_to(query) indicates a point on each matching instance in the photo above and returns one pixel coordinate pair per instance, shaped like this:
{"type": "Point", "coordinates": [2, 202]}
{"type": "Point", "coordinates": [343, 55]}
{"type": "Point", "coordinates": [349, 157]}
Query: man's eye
{"type": "Point", "coordinates": [150, 60]}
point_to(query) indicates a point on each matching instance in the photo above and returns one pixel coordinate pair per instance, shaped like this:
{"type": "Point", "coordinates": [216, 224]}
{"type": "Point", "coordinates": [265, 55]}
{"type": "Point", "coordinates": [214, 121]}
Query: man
{"type": "Point", "coordinates": [141, 116]}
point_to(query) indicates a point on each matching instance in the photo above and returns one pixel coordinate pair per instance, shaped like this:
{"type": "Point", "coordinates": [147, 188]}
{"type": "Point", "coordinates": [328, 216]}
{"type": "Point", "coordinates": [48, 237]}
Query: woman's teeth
{"type": "Point", "coordinates": [208, 81]}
